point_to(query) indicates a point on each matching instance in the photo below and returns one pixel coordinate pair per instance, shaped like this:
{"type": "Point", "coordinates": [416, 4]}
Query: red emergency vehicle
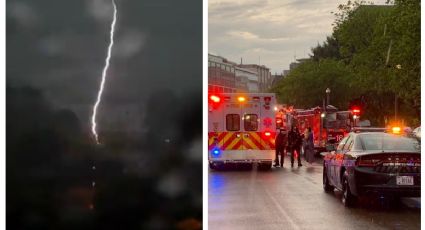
{"type": "Point", "coordinates": [283, 118]}
{"type": "Point", "coordinates": [329, 125]}
{"type": "Point", "coordinates": [241, 129]}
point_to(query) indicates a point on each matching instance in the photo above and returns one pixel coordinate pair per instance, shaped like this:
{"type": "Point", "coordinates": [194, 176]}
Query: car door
{"type": "Point", "coordinates": [232, 138]}
{"type": "Point", "coordinates": [339, 160]}
{"type": "Point", "coordinates": [232, 120]}
{"type": "Point", "coordinates": [251, 140]}
{"type": "Point", "coordinates": [334, 161]}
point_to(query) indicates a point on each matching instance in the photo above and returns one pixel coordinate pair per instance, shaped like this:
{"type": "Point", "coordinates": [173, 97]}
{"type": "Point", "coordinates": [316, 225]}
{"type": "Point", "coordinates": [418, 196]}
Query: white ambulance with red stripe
{"type": "Point", "coordinates": [241, 129]}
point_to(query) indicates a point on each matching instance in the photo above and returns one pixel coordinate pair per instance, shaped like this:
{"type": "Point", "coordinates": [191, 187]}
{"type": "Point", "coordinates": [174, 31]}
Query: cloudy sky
{"type": "Point", "coordinates": [271, 32]}
{"type": "Point", "coordinates": [60, 48]}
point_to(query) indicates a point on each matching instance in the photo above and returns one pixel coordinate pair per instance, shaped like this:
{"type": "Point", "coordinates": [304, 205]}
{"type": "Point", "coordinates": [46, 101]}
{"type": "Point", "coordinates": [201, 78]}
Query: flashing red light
{"type": "Point", "coordinates": [268, 134]}
{"type": "Point", "coordinates": [356, 110]}
{"type": "Point", "coordinates": [215, 98]}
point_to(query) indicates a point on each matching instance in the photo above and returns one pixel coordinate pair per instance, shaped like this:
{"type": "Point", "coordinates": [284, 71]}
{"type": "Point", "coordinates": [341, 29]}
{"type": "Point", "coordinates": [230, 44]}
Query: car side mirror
{"type": "Point", "coordinates": [330, 148]}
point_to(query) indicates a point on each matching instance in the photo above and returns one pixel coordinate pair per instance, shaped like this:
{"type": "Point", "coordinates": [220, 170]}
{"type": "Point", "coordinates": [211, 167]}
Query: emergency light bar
{"type": "Point", "coordinates": [215, 98]}
{"type": "Point", "coordinates": [396, 130]}
{"type": "Point", "coordinates": [216, 151]}
{"type": "Point", "coordinates": [368, 129]}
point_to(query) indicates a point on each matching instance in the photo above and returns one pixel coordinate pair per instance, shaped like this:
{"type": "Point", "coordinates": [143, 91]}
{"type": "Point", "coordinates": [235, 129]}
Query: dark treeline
{"type": "Point", "coordinates": [154, 183]}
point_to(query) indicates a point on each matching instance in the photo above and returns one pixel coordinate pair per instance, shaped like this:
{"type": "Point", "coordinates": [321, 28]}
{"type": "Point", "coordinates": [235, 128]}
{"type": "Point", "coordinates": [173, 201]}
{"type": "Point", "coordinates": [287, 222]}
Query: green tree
{"type": "Point", "coordinates": [374, 51]}
{"type": "Point", "coordinates": [329, 49]}
{"type": "Point", "coordinates": [305, 86]}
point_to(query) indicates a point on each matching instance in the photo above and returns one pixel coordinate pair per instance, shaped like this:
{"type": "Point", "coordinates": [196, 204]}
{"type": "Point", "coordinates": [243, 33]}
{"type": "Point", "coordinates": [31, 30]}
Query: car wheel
{"type": "Point", "coordinates": [326, 186]}
{"type": "Point", "coordinates": [348, 199]}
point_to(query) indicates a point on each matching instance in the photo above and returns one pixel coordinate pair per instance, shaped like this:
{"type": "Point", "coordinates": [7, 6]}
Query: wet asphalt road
{"type": "Point", "coordinates": [285, 198]}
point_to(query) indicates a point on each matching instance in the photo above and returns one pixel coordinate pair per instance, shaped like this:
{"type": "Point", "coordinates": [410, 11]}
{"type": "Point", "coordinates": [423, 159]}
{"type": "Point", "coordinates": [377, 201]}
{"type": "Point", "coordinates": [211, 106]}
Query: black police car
{"type": "Point", "coordinates": [366, 163]}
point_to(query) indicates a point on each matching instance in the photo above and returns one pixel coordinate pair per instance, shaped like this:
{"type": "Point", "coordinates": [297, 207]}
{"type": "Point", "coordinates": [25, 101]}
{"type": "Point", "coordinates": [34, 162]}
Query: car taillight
{"type": "Point", "coordinates": [392, 159]}
{"type": "Point", "coordinates": [267, 134]}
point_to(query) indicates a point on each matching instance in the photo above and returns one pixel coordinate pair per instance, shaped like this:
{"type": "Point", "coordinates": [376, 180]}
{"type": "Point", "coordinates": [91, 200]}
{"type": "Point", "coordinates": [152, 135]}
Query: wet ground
{"type": "Point", "coordinates": [293, 198]}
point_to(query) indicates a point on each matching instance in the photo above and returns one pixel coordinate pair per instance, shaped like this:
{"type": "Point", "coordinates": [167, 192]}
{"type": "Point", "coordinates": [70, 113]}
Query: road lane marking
{"type": "Point", "coordinates": [282, 211]}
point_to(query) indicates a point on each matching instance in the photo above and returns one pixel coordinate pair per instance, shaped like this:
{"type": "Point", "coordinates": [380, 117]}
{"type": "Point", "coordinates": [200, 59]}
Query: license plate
{"type": "Point", "coordinates": [404, 180]}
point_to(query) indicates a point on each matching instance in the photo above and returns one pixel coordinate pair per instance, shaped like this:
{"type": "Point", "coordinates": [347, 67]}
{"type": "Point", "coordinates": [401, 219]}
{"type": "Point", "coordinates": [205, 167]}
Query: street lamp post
{"type": "Point", "coordinates": [328, 91]}
{"type": "Point", "coordinates": [395, 98]}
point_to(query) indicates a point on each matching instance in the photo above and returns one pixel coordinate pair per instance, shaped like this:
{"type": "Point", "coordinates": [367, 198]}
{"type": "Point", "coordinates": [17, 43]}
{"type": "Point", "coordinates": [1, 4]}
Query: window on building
{"type": "Point", "coordinates": [251, 122]}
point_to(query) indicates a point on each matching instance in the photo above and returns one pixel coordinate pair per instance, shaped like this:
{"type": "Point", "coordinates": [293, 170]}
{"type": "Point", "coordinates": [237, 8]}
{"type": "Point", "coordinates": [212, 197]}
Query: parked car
{"type": "Point", "coordinates": [367, 163]}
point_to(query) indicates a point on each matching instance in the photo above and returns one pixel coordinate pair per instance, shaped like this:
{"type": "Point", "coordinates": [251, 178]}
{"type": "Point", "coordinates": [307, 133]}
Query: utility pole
{"type": "Point", "coordinates": [396, 99]}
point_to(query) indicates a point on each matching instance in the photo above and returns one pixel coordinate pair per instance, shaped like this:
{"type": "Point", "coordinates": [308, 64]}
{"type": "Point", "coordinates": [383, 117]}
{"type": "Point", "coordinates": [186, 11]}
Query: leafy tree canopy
{"type": "Point", "coordinates": [374, 51]}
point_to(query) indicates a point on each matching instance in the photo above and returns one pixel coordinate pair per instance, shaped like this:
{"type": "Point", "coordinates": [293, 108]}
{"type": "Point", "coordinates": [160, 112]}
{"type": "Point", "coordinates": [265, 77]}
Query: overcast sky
{"type": "Point", "coordinates": [271, 32]}
{"type": "Point", "coordinates": [60, 48]}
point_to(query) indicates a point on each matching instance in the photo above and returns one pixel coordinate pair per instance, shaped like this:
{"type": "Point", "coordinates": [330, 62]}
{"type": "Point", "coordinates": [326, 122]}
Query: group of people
{"type": "Point", "coordinates": [291, 142]}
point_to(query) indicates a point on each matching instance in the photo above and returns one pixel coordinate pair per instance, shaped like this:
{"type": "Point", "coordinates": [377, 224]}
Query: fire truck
{"type": "Point", "coordinates": [328, 125]}
{"type": "Point", "coordinates": [241, 129]}
{"type": "Point", "coordinates": [283, 116]}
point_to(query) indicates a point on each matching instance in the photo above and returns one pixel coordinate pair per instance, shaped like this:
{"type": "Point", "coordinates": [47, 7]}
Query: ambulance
{"type": "Point", "coordinates": [241, 129]}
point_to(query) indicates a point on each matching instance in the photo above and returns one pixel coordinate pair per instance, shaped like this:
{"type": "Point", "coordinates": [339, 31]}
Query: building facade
{"type": "Point", "coordinates": [225, 76]}
{"type": "Point", "coordinates": [247, 79]}
{"type": "Point", "coordinates": [264, 76]}
{"type": "Point", "coordinates": [276, 78]}
{"type": "Point", "coordinates": [221, 75]}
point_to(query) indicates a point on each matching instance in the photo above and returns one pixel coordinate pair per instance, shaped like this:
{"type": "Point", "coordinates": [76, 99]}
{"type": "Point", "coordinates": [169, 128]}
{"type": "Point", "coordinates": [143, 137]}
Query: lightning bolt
{"type": "Point", "coordinates": [105, 69]}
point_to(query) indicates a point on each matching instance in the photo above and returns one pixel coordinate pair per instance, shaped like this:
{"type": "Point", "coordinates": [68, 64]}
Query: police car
{"type": "Point", "coordinates": [373, 162]}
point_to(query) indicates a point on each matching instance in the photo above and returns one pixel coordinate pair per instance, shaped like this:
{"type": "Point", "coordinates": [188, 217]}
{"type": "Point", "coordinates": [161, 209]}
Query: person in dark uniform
{"type": "Point", "coordinates": [280, 143]}
{"type": "Point", "coordinates": [295, 141]}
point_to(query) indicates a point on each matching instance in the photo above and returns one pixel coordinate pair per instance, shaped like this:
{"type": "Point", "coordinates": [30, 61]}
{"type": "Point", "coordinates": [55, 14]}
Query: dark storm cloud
{"type": "Point", "coordinates": [60, 47]}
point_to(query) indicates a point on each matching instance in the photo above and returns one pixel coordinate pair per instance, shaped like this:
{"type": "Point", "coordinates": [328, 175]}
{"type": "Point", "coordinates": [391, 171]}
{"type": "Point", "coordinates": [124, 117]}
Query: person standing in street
{"type": "Point", "coordinates": [304, 147]}
{"type": "Point", "coordinates": [309, 147]}
{"type": "Point", "coordinates": [280, 144]}
{"type": "Point", "coordinates": [295, 142]}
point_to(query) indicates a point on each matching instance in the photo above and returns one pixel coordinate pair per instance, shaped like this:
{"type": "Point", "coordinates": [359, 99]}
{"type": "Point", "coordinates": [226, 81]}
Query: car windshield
{"type": "Point", "coordinates": [383, 141]}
